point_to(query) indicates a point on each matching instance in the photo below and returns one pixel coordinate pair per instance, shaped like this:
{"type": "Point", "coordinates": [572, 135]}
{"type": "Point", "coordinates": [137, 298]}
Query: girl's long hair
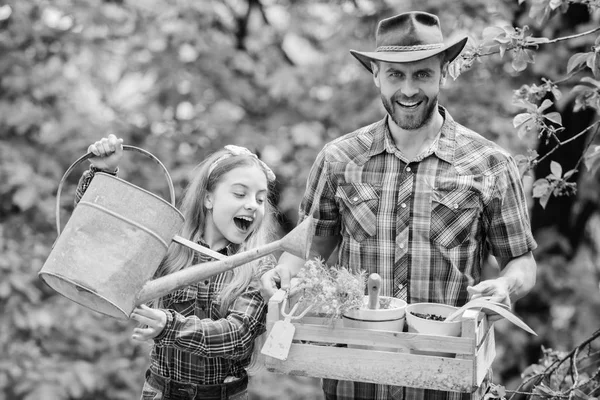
{"type": "Point", "coordinates": [192, 207]}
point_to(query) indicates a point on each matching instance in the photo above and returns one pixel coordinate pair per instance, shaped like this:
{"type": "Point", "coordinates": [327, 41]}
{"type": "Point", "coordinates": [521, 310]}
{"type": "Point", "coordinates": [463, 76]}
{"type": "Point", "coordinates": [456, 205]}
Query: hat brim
{"type": "Point", "coordinates": [452, 50]}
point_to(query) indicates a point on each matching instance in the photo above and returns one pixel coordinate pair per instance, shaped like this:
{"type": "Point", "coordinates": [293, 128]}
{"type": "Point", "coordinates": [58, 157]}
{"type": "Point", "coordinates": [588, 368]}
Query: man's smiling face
{"type": "Point", "coordinates": [409, 91]}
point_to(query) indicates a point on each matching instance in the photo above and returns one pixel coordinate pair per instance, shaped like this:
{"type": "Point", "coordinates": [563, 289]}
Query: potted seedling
{"type": "Point", "coordinates": [377, 312]}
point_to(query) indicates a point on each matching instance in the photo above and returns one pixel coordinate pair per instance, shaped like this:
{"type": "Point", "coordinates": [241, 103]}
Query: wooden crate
{"type": "Point", "coordinates": [463, 369]}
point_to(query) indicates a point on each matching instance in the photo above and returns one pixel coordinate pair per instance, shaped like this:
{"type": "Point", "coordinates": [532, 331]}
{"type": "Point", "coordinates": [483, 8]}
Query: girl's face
{"type": "Point", "coordinates": [237, 206]}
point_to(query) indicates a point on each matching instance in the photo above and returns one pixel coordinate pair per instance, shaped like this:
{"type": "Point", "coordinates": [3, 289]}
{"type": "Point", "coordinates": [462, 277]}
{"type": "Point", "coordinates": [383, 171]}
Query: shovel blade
{"type": "Point", "coordinates": [279, 341]}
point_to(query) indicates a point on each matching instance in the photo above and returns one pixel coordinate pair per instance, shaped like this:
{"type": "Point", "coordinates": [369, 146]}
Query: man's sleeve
{"type": "Point", "coordinates": [319, 199]}
{"type": "Point", "coordinates": [506, 217]}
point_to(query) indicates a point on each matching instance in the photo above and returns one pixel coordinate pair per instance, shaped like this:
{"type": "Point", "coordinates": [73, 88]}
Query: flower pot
{"type": "Point", "coordinates": [388, 319]}
{"type": "Point", "coordinates": [431, 327]}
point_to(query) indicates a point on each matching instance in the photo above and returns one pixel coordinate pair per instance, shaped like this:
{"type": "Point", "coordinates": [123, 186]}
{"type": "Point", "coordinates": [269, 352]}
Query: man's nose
{"type": "Point", "coordinates": [409, 88]}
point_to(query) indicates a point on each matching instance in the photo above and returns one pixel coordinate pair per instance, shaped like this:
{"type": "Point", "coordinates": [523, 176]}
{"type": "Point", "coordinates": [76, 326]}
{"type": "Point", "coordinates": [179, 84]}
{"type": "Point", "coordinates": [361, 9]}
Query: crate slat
{"type": "Point", "coordinates": [451, 374]}
{"type": "Point", "coordinates": [338, 334]}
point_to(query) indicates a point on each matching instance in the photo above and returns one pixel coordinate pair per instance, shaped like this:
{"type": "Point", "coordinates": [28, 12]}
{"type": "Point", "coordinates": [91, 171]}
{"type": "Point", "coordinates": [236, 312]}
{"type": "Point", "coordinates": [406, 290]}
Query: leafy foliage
{"type": "Point", "coordinates": [330, 290]}
{"type": "Point", "coordinates": [183, 79]}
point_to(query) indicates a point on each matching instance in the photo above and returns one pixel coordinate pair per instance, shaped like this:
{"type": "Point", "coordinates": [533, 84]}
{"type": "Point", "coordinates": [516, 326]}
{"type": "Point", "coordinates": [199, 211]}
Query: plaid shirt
{"type": "Point", "coordinates": [424, 226]}
{"type": "Point", "coordinates": [198, 344]}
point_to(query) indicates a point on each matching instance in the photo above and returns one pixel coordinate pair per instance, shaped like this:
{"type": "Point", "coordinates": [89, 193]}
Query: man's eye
{"type": "Point", "coordinates": [423, 75]}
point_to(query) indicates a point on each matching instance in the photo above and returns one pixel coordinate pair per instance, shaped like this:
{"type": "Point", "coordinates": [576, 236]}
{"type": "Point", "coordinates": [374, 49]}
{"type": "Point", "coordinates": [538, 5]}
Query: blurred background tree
{"type": "Point", "coordinates": [183, 78]}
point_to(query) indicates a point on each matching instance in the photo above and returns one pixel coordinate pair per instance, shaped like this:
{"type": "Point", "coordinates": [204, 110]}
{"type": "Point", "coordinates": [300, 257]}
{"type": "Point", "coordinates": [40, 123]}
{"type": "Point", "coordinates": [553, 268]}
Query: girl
{"type": "Point", "coordinates": [204, 334]}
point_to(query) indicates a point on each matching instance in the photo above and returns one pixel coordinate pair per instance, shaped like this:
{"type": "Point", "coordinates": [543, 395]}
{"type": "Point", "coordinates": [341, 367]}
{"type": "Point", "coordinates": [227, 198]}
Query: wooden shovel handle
{"type": "Point", "coordinates": [373, 287]}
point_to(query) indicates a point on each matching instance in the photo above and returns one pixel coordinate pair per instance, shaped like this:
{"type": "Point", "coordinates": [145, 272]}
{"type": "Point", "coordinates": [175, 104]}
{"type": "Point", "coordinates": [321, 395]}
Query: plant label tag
{"type": "Point", "coordinates": [279, 340]}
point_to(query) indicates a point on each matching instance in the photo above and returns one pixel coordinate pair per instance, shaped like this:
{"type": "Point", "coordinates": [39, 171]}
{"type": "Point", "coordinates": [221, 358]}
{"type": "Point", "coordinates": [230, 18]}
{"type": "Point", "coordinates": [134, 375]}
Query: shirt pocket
{"type": "Point", "coordinates": [453, 216]}
{"type": "Point", "coordinates": [359, 203]}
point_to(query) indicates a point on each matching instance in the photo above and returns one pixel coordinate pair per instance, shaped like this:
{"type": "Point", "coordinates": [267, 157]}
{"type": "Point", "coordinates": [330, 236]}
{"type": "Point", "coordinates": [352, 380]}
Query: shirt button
{"type": "Point", "coordinates": [401, 245]}
{"type": "Point", "coordinates": [455, 206]}
{"type": "Point", "coordinates": [355, 199]}
{"type": "Point", "coordinates": [206, 282]}
{"type": "Point", "coordinates": [403, 205]}
{"type": "Point", "coordinates": [408, 169]}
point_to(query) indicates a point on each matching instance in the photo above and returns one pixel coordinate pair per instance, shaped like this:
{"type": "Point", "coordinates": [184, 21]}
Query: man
{"type": "Point", "coordinates": [417, 197]}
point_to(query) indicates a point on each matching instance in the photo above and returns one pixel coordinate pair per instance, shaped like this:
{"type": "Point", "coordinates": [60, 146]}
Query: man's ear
{"type": "Point", "coordinates": [375, 69]}
{"type": "Point", "coordinates": [444, 73]}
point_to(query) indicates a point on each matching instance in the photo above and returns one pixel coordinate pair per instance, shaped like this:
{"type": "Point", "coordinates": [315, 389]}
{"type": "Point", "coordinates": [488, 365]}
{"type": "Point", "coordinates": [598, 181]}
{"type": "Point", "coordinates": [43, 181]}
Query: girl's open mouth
{"type": "Point", "coordinates": [243, 222]}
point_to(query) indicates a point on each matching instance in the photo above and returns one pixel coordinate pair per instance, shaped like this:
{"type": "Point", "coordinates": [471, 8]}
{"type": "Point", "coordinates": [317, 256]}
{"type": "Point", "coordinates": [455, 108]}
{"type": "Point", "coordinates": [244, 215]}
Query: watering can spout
{"type": "Point", "coordinates": [297, 242]}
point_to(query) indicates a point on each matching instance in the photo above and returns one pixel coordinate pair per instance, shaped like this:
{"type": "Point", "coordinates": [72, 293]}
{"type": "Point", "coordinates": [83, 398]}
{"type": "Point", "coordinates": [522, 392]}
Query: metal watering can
{"type": "Point", "coordinates": [118, 234]}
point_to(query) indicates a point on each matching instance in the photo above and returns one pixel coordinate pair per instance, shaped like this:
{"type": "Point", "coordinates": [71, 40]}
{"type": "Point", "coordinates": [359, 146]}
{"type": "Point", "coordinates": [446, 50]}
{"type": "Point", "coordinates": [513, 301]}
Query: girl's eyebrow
{"type": "Point", "coordinates": [246, 186]}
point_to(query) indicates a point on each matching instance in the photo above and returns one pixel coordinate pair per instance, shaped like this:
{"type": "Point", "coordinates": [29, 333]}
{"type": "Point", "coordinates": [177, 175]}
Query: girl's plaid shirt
{"type": "Point", "coordinates": [199, 344]}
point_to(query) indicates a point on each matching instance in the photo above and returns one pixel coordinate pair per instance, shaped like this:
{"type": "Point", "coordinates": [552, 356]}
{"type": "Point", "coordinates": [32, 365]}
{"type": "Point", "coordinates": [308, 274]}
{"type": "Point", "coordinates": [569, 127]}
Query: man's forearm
{"type": "Point", "coordinates": [292, 263]}
{"type": "Point", "coordinates": [322, 246]}
{"type": "Point", "coordinates": [520, 275]}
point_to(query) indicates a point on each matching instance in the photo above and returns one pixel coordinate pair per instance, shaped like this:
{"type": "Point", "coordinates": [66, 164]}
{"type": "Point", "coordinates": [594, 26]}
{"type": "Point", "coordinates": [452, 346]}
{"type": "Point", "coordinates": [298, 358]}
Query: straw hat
{"type": "Point", "coordinates": [408, 37]}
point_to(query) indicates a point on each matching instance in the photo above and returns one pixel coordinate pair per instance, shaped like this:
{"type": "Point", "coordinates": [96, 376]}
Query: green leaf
{"type": "Point", "coordinates": [554, 117]}
{"type": "Point", "coordinates": [502, 50]}
{"type": "Point", "coordinates": [554, 4]}
{"type": "Point", "coordinates": [595, 63]}
{"type": "Point", "coordinates": [540, 187]}
{"type": "Point", "coordinates": [525, 123]}
{"type": "Point", "coordinates": [454, 68]}
{"type": "Point", "coordinates": [592, 81]}
{"type": "Point", "coordinates": [492, 32]}
{"type": "Point", "coordinates": [556, 93]}
{"type": "Point", "coordinates": [576, 61]}
{"type": "Point", "coordinates": [545, 198]}
{"type": "Point", "coordinates": [592, 159]}
{"type": "Point", "coordinates": [582, 90]}
{"type": "Point", "coordinates": [521, 119]}
{"type": "Point", "coordinates": [569, 173]}
{"type": "Point", "coordinates": [544, 106]}
{"type": "Point", "coordinates": [519, 62]}
{"type": "Point", "coordinates": [556, 169]}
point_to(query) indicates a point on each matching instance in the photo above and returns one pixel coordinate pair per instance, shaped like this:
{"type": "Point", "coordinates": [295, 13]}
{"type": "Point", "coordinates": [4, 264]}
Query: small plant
{"type": "Point", "coordinates": [433, 317]}
{"type": "Point", "coordinates": [330, 290]}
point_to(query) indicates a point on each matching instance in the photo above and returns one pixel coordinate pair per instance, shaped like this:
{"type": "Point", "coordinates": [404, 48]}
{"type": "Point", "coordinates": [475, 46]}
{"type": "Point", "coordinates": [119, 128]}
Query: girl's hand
{"type": "Point", "coordinates": [108, 152]}
{"type": "Point", "coordinates": [153, 319]}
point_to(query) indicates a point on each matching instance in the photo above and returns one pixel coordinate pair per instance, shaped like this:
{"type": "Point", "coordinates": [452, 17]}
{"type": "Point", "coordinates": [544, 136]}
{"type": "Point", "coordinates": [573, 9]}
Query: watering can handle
{"type": "Point", "coordinates": [90, 155]}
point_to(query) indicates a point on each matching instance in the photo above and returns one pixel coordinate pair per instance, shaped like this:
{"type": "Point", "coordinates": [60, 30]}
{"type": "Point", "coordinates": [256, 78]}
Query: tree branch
{"type": "Point", "coordinates": [583, 132]}
{"type": "Point", "coordinates": [560, 39]}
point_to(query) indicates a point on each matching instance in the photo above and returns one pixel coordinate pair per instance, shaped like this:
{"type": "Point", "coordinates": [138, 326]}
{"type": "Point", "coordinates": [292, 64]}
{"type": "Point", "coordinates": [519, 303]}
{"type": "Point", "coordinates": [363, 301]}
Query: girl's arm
{"type": "Point", "coordinates": [108, 152]}
{"type": "Point", "coordinates": [231, 337]}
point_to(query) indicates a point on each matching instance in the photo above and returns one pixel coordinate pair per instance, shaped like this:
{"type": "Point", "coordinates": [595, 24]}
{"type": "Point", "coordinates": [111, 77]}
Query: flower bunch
{"type": "Point", "coordinates": [329, 290]}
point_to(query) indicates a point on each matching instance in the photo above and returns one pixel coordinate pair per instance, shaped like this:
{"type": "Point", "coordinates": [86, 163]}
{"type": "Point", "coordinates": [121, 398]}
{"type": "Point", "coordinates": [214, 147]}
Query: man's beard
{"type": "Point", "coordinates": [410, 122]}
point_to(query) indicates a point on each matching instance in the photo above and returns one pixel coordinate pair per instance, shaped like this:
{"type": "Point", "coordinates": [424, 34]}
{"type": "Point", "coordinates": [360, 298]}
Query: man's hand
{"type": "Point", "coordinates": [499, 291]}
{"type": "Point", "coordinates": [154, 320]}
